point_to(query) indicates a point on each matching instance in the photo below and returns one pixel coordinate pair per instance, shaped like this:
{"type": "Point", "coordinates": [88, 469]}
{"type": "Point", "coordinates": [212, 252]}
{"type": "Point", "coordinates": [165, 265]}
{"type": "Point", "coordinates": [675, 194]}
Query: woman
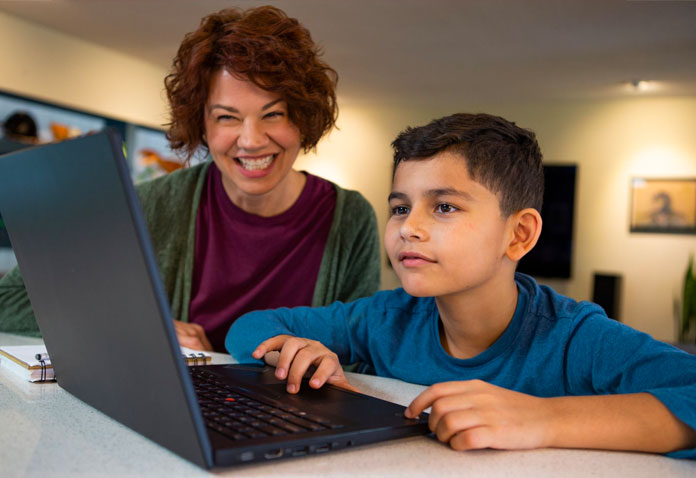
{"type": "Point", "coordinates": [246, 231]}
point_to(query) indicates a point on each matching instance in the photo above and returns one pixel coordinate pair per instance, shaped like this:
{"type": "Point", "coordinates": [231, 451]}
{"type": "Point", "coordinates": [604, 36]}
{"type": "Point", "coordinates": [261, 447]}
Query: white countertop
{"type": "Point", "coordinates": [46, 432]}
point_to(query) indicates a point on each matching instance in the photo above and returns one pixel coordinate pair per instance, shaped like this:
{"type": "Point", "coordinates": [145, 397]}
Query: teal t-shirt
{"type": "Point", "coordinates": [554, 346]}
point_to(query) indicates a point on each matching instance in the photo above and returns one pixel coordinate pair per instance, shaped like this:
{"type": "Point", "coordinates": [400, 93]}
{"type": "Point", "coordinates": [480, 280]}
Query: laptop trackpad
{"type": "Point", "coordinates": [311, 395]}
{"type": "Point", "coordinates": [263, 380]}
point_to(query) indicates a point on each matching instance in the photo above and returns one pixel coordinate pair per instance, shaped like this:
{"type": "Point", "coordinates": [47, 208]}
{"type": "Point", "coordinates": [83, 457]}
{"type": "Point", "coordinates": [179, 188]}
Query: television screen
{"type": "Point", "coordinates": [552, 256]}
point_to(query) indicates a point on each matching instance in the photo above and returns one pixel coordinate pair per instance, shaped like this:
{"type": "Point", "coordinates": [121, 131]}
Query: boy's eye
{"type": "Point", "coordinates": [445, 208]}
{"type": "Point", "coordinates": [399, 210]}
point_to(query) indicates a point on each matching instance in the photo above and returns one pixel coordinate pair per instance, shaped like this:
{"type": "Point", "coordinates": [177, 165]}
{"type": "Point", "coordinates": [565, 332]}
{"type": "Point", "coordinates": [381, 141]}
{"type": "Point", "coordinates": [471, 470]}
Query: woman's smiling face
{"type": "Point", "coordinates": [250, 137]}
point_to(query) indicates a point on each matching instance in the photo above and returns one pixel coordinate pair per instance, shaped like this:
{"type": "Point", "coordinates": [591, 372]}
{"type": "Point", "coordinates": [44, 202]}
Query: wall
{"type": "Point", "coordinates": [611, 141]}
{"type": "Point", "coordinates": [48, 65]}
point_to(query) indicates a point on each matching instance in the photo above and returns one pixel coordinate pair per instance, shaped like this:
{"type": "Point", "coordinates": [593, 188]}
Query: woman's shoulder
{"type": "Point", "coordinates": [351, 205]}
{"type": "Point", "coordinates": [344, 197]}
{"type": "Point", "coordinates": [353, 211]}
{"type": "Point", "coordinates": [177, 185]}
{"type": "Point", "coordinates": [352, 198]}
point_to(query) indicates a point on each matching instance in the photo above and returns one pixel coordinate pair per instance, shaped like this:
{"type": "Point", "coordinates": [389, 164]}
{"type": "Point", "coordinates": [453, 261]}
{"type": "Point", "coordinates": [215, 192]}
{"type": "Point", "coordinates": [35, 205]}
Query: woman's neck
{"type": "Point", "coordinates": [274, 202]}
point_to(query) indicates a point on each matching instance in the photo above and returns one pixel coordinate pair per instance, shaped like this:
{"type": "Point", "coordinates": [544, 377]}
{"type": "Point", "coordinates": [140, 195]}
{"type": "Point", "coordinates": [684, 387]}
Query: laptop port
{"type": "Point", "coordinates": [300, 451]}
{"type": "Point", "coordinates": [270, 455]}
{"type": "Point", "coordinates": [322, 448]}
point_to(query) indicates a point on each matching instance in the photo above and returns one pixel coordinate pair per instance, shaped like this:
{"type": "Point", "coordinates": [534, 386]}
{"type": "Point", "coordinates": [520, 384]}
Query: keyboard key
{"type": "Point", "coordinates": [287, 426]}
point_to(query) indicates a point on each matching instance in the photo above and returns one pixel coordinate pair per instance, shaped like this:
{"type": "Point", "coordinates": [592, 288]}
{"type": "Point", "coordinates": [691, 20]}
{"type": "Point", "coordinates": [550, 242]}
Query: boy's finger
{"type": "Point", "coordinates": [274, 343]}
{"type": "Point", "coordinates": [271, 358]}
{"type": "Point", "coordinates": [301, 362]}
{"type": "Point", "coordinates": [449, 405]}
{"type": "Point", "coordinates": [342, 382]}
{"type": "Point", "coordinates": [288, 360]}
{"type": "Point", "coordinates": [473, 438]}
{"type": "Point", "coordinates": [326, 369]}
{"type": "Point", "coordinates": [427, 397]}
{"type": "Point", "coordinates": [456, 421]}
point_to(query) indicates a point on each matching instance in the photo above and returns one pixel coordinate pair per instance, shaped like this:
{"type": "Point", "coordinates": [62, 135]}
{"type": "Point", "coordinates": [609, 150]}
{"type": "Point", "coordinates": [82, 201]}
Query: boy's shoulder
{"type": "Point", "coordinates": [545, 303]}
{"type": "Point", "coordinates": [554, 321]}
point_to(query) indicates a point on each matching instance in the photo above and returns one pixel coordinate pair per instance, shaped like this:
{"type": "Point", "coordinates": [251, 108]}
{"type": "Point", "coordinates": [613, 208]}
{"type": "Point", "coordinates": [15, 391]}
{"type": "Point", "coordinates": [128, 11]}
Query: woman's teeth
{"type": "Point", "coordinates": [256, 163]}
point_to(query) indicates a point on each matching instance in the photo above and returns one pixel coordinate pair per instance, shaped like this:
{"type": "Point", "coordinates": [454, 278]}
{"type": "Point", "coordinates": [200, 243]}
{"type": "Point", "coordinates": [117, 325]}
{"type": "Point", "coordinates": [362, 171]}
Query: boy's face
{"type": "Point", "coordinates": [446, 234]}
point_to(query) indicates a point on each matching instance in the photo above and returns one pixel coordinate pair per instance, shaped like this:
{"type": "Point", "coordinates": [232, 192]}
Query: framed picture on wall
{"type": "Point", "coordinates": [663, 205]}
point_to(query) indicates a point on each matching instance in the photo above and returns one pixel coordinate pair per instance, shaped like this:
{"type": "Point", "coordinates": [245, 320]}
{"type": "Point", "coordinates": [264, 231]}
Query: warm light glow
{"type": "Point", "coordinates": [659, 161]}
{"type": "Point", "coordinates": [355, 156]}
{"type": "Point", "coordinates": [643, 86]}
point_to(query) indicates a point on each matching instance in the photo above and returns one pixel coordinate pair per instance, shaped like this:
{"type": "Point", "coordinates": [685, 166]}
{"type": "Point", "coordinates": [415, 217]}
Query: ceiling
{"type": "Point", "coordinates": [436, 51]}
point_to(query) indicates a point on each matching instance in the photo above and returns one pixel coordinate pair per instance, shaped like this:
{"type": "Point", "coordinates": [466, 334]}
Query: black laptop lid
{"type": "Point", "coordinates": [103, 314]}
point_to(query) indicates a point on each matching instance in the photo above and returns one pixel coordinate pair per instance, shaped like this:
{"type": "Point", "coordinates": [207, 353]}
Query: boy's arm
{"type": "Point", "coordinates": [340, 327]}
{"type": "Point", "coordinates": [606, 357]}
{"type": "Point", "coordinates": [475, 414]}
{"type": "Point", "coordinates": [624, 391]}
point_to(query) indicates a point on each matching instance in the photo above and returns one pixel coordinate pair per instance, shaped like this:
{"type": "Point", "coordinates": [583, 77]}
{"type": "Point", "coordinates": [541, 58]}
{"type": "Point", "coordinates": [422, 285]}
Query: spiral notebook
{"type": "Point", "coordinates": [22, 360]}
{"type": "Point", "coordinates": [33, 363]}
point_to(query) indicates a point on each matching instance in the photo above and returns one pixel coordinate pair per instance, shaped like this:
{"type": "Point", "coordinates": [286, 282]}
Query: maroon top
{"type": "Point", "coordinates": [244, 262]}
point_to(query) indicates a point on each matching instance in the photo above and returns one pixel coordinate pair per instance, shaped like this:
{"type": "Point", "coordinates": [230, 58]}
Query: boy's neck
{"type": "Point", "coordinates": [472, 320]}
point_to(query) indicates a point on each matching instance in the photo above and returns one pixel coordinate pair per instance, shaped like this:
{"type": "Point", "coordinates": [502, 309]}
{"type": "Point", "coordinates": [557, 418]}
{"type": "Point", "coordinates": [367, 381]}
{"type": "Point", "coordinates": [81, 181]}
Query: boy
{"type": "Point", "coordinates": [514, 365]}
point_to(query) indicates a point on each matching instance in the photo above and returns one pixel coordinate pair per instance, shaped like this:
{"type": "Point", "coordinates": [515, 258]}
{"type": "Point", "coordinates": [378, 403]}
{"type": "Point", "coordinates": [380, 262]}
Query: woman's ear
{"type": "Point", "coordinates": [525, 228]}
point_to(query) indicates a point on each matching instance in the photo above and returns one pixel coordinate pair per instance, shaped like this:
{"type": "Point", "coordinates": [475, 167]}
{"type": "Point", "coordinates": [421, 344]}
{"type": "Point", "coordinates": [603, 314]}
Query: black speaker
{"type": "Point", "coordinates": [606, 292]}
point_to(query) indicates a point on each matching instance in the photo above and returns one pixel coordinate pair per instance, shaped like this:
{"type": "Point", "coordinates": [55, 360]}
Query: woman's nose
{"type": "Point", "coordinates": [252, 136]}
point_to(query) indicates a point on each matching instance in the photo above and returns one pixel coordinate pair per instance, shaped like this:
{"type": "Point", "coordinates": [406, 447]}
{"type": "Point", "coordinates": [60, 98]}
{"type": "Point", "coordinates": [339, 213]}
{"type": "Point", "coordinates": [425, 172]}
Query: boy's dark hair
{"type": "Point", "coordinates": [499, 154]}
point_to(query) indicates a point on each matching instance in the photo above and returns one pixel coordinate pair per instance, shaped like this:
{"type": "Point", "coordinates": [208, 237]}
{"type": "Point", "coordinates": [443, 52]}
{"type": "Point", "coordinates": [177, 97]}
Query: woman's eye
{"type": "Point", "coordinates": [399, 210]}
{"type": "Point", "coordinates": [224, 117]}
{"type": "Point", "coordinates": [445, 208]}
{"type": "Point", "coordinates": [274, 114]}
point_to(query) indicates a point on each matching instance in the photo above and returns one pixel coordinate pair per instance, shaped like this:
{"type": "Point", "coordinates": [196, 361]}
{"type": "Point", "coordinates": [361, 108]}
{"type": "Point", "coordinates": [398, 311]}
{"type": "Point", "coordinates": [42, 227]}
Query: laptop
{"type": "Point", "coordinates": [89, 268]}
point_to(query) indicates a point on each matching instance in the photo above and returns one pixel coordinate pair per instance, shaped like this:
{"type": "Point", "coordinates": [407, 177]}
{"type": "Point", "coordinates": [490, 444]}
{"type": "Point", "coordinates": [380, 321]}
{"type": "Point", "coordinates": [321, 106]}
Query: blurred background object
{"type": "Point", "coordinates": [19, 131]}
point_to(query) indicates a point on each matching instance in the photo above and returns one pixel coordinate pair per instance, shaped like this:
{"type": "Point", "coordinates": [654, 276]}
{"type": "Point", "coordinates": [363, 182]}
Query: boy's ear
{"type": "Point", "coordinates": [525, 228]}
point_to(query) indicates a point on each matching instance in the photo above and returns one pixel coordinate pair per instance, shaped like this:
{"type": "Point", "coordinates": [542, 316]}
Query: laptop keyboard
{"type": "Point", "coordinates": [240, 417]}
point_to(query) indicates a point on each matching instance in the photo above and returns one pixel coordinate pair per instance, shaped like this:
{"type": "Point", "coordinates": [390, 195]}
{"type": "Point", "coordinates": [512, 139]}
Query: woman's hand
{"type": "Point", "coordinates": [297, 355]}
{"type": "Point", "coordinates": [475, 414]}
{"type": "Point", "coordinates": [192, 336]}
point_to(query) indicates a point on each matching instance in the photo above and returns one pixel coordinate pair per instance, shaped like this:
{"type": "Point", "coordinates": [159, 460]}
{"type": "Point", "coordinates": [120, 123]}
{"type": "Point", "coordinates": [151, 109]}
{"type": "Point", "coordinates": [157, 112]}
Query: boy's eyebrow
{"type": "Point", "coordinates": [450, 192]}
{"type": "Point", "coordinates": [232, 109]}
{"type": "Point", "coordinates": [435, 193]}
{"type": "Point", "coordinates": [397, 195]}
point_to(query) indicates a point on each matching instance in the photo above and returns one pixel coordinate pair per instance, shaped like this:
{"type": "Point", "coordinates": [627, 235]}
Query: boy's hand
{"type": "Point", "coordinates": [297, 355]}
{"type": "Point", "coordinates": [475, 414]}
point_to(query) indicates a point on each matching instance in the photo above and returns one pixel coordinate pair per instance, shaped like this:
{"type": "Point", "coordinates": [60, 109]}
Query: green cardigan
{"type": "Point", "coordinates": [350, 267]}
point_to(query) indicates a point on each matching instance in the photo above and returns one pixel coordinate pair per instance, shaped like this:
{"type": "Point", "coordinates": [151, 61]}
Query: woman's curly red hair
{"type": "Point", "coordinates": [270, 49]}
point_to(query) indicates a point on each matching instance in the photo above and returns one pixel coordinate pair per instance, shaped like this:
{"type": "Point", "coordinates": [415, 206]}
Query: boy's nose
{"type": "Point", "coordinates": [252, 136]}
{"type": "Point", "coordinates": [414, 228]}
